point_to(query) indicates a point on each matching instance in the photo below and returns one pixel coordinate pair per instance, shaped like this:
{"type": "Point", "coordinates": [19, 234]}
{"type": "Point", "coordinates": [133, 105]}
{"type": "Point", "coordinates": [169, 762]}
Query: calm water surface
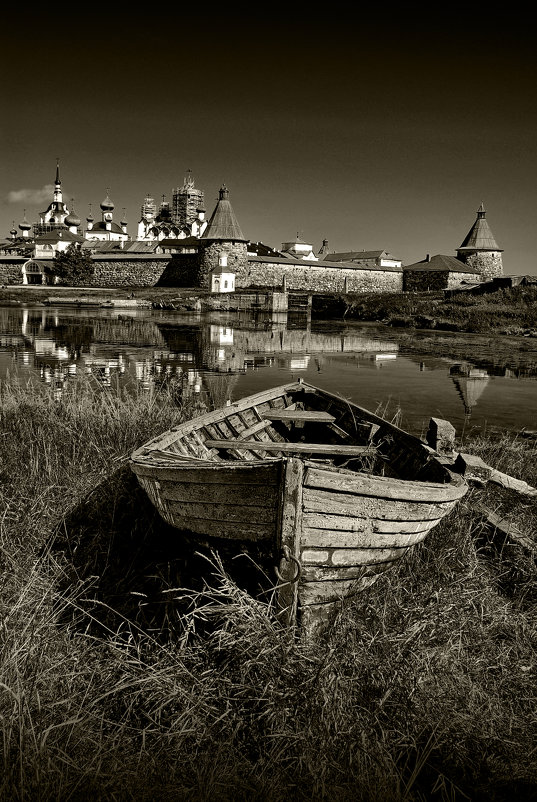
{"type": "Point", "coordinates": [475, 382]}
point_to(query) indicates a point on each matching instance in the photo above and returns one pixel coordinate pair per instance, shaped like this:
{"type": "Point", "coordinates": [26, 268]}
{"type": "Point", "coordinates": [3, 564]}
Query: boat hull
{"type": "Point", "coordinates": [333, 530]}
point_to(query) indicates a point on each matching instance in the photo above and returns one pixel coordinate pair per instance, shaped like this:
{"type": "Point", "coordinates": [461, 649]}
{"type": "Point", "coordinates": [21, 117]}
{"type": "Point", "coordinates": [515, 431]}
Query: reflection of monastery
{"type": "Point", "coordinates": [122, 349]}
{"type": "Point", "coordinates": [176, 245]}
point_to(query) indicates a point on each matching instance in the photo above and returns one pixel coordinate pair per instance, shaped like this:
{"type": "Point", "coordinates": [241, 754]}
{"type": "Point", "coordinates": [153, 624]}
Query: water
{"type": "Point", "coordinates": [475, 382]}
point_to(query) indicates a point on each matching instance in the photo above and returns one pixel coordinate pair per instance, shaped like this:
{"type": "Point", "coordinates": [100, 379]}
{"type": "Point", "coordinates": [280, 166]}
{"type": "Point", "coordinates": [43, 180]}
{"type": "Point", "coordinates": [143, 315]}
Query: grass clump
{"type": "Point", "coordinates": [119, 680]}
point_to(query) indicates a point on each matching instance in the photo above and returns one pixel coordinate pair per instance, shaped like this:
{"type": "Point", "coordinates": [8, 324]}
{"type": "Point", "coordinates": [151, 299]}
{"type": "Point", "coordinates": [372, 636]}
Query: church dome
{"type": "Point", "coordinates": [107, 205]}
{"type": "Point", "coordinates": [25, 225]}
{"type": "Point", "coordinates": [72, 219]}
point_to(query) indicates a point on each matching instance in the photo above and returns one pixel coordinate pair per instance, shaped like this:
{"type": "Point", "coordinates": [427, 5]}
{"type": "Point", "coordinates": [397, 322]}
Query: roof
{"type": "Point", "coordinates": [131, 246]}
{"type": "Point", "coordinates": [351, 256]}
{"type": "Point", "coordinates": [223, 224]}
{"type": "Point", "coordinates": [480, 237]}
{"type": "Point", "coordinates": [440, 262]}
{"type": "Point", "coordinates": [58, 234]}
{"type": "Point", "coordinates": [179, 242]}
{"type": "Point", "coordinates": [260, 249]}
{"type": "Point", "coordinates": [284, 259]}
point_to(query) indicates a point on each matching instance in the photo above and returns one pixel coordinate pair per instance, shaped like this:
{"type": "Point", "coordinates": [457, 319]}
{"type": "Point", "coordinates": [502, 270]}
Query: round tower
{"type": "Point", "coordinates": [222, 238]}
{"type": "Point", "coordinates": [480, 250]}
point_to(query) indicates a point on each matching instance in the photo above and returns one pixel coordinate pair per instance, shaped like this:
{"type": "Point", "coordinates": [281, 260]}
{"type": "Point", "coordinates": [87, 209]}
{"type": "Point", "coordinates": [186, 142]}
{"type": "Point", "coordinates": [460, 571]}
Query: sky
{"type": "Point", "coordinates": [373, 132]}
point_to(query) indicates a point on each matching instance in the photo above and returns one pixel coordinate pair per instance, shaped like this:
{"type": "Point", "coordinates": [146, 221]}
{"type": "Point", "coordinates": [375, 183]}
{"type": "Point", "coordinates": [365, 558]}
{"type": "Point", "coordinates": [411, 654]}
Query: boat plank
{"type": "Point", "coordinates": [301, 415]}
{"type": "Point", "coordinates": [368, 523]}
{"type": "Point", "coordinates": [336, 558]}
{"type": "Point", "coordinates": [327, 538]}
{"type": "Point", "coordinates": [356, 506]}
{"type": "Point", "coordinates": [383, 487]}
{"type": "Point", "coordinates": [251, 474]}
{"type": "Point", "coordinates": [329, 574]}
{"type": "Point", "coordinates": [263, 496]}
{"type": "Point", "coordinates": [228, 530]}
{"type": "Point", "coordinates": [307, 448]}
{"type": "Point", "coordinates": [229, 513]}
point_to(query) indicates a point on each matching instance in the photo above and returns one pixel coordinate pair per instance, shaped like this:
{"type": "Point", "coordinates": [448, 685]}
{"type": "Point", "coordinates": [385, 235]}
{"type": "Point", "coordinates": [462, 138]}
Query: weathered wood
{"type": "Point", "coordinates": [244, 473]}
{"type": "Point", "coordinates": [333, 529]}
{"type": "Point", "coordinates": [475, 468]}
{"type": "Point", "coordinates": [338, 557]}
{"type": "Point", "coordinates": [253, 532]}
{"type": "Point", "coordinates": [368, 523]}
{"type": "Point", "coordinates": [329, 574]}
{"type": "Point", "coordinates": [511, 532]}
{"type": "Point", "coordinates": [320, 592]}
{"type": "Point", "coordinates": [289, 541]}
{"type": "Point", "coordinates": [441, 436]}
{"type": "Point", "coordinates": [216, 493]}
{"type": "Point", "coordinates": [360, 484]}
{"type": "Point", "coordinates": [303, 415]}
{"type": "Point", "coordinates": [229, 513]}
{"type": "Point", "coordinates": [328, 538]}
{"type": "Point", "coordinates": [290, 448]}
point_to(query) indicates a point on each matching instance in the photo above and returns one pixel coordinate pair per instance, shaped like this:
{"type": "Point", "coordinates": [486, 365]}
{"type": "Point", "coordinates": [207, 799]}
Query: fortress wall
{"type": "Point", "coordinates": [310, 276]}
{"type": "Point", "coordinates": [423, 280]}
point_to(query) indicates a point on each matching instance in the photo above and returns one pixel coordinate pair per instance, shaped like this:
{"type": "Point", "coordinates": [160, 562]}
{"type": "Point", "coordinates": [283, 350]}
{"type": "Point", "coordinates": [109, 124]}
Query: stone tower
{"type": "Point", "coordinates": [222, 238]}
{"type": "Point", "coordinates": [480, 250]}
{"type": "Point", "coordinates": [187, 201]}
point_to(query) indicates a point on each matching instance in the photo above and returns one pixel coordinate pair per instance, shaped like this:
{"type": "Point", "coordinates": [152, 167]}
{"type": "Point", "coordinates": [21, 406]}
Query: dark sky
{"type": "Point", "coordinates": [372, 132]}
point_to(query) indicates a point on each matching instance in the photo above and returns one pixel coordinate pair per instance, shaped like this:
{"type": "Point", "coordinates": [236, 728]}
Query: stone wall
{"type": "Point", "coordinates": [489, 263]}
{"type": "Point", "coordinates": [423, 280]}
{"type": "Point", "coordinates": [312, 277]}
{"type": "Point", "coordinates": [11, 270]}
{"type": "Point", "coordinates": [129, 270]}
{"type": "Point", "coordinates": [209, 257]}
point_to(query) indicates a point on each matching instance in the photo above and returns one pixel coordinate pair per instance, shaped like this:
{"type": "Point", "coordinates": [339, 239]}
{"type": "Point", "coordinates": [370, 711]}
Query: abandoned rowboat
{"type": "Point", "coordinates": [336, 492]}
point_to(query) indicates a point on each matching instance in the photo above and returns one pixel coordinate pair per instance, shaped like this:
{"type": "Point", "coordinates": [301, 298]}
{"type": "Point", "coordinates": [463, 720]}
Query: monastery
{"type": "Point", "coordinates": [176, 246]}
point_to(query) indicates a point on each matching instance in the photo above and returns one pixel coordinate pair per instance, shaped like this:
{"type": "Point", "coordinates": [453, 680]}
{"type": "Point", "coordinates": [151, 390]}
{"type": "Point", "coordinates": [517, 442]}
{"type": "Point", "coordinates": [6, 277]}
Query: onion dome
{"type": "Point", "coordinates": [72, 219]}
{"type": "Point", "coordinates": [107, 205]}
{"type": "Point", "coordinates": [25, 225]}
{"type": "Point", "coordinates": [13, 231]}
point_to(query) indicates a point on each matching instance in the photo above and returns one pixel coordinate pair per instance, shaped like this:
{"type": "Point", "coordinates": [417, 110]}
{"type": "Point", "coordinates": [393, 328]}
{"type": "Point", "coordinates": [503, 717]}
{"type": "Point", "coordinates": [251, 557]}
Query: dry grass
{"type": "Point", "coordinates": [120, 680]}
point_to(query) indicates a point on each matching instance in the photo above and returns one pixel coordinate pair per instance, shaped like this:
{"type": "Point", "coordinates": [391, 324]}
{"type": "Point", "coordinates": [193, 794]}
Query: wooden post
{"type": "Point", "coordinates": [441, 436]}
{"type": "Point", "coordinates": [289, 541]}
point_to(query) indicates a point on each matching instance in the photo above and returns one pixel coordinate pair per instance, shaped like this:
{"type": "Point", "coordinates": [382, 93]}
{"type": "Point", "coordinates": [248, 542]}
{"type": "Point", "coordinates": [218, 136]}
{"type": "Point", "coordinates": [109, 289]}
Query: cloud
{"type": "Point", "coordinates": [31, 196]}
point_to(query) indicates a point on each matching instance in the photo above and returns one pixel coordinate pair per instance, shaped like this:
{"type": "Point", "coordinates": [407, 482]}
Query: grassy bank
{"type": "Point", "coordinates": [116, 684]}
{"type": "Point", "coordinates": [507, 311]}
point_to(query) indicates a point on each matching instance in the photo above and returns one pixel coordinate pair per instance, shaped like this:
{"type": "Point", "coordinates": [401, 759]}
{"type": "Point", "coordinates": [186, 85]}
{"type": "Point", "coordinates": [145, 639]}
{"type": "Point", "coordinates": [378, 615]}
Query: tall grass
{"type": "Point", "coordinates": [118, 680]}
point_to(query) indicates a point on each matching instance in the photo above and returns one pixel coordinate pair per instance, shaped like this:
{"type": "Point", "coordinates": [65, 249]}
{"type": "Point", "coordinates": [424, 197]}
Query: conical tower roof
{"type": "Point", "coordinates": [223, 224]}
{"type": "Point", "coordinates": [480, 237]}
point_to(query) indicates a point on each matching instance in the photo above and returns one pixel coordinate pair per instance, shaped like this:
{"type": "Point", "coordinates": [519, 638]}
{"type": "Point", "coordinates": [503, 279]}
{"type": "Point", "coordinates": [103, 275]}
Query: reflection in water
{"type": "Point", "coordinates": [221, 356]}
{"type": "Point", "coordinates": [470, 383]}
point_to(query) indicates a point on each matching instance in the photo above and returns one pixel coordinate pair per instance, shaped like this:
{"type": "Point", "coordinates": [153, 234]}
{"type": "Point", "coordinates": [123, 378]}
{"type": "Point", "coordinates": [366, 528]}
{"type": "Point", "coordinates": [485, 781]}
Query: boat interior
{"type": "Point", "coordinates": [302, 421]}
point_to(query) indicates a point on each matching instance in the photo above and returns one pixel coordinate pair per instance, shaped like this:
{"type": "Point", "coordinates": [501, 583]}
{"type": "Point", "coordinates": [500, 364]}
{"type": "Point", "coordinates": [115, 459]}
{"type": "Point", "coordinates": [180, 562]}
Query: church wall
{"type": "Point", "coordinates": [310, 276]}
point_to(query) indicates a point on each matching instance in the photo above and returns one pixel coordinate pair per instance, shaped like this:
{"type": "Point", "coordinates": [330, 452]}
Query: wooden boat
{"type": "Point", "coordinates": [335, 492]}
